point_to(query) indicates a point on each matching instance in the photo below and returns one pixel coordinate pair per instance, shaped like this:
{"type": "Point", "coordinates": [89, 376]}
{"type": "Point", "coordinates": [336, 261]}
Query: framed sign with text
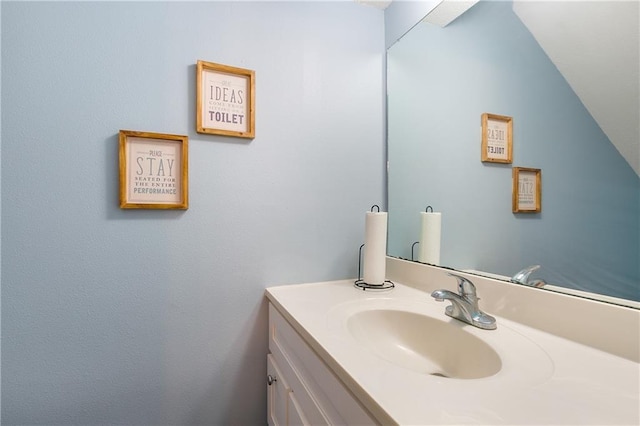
{"type": "Point", "coordinates": [497, 138]}
{"type": "Point", "coordinates": [225, 100]}
{"type": "Point", "coordinates": [527, 190]}
{"type": "Point", "coordinates": [153, 170]}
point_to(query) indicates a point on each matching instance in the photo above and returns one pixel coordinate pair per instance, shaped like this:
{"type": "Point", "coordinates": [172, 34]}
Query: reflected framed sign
{"type": "Point", "coordinates": [527, 190]}
{"type": "Point", "coordinates": [497, 138]}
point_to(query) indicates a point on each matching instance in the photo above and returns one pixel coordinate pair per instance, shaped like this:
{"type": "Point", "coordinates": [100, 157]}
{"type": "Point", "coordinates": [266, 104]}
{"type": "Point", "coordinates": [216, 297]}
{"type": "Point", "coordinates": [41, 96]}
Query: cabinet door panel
{"type": "Point", "coordinates": [296, 416]}
{"type": "Point", "coordinates": [322, 396]}
{"type": "Point", "coordinates": [277, 395]}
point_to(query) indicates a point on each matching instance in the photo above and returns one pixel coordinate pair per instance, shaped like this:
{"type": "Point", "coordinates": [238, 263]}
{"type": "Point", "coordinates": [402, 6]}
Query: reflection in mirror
{"type": "Point", "coordinates": [586, 238]}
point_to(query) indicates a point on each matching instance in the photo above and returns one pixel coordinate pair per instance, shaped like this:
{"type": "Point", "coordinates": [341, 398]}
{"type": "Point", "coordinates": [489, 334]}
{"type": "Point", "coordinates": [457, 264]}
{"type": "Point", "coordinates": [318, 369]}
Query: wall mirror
{"type": "Point", "coordinates": [441, 80]}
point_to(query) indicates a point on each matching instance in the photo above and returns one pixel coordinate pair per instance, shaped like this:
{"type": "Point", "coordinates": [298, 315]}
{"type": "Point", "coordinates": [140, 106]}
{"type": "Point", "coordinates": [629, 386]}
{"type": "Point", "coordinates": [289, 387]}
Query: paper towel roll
{"type": "Point", "coordinates": [375, 248]}
{"type": "Point", "coordinates": [430, 238]}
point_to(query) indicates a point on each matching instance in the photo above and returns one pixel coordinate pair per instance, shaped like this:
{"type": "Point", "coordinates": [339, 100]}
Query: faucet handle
{"type": "Point", "coordinates": [465, 287]}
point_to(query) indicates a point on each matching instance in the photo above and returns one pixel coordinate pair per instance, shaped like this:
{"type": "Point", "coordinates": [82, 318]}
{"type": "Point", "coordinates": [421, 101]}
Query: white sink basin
{"type": "Point", "coordinates": [424, 344]}
{"type": "Point", "coordinates": [416, 337]}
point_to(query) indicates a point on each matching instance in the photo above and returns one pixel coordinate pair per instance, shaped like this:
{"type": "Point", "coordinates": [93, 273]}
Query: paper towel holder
{"type": "Point", "coordinates": [418, 242]}
{"type": "Point", "coordinates": [359, 283]}
{"type": "Point", "coordinates": [412, 246]}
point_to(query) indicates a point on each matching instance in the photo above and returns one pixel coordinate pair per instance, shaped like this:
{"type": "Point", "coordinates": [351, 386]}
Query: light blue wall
{"type": "Point", "coordinates": [587, 234]}
{"type": "Point", "coordinates": [157, 317]}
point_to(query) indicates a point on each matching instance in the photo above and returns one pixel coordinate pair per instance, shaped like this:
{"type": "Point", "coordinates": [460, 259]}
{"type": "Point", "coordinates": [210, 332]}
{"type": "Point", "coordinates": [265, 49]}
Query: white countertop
{"type": "Point", "coordinates": [544, 379]}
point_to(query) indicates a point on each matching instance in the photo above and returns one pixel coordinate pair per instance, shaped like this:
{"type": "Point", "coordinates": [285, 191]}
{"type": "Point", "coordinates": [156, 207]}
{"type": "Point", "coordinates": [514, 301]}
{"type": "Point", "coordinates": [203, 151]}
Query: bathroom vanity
{"type": "Point", "coordinates": [341, 355]}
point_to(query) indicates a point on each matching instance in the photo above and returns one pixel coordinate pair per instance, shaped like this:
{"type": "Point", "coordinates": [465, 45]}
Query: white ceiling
{"type": "Point", "coordinates": [596, 47]}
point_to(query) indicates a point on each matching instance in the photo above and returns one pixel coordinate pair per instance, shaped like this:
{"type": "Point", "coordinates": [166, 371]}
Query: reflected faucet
{"type": "Point", "coordinates": [522, 277]}
{"type": "Point", "coordinates": [464, 304]}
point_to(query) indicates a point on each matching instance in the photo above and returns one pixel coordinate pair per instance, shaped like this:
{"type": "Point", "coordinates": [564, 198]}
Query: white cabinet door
{"type": "Point", "coordinates": [277, 395]}
{"type": "Point", "coordinates": [306, 392]}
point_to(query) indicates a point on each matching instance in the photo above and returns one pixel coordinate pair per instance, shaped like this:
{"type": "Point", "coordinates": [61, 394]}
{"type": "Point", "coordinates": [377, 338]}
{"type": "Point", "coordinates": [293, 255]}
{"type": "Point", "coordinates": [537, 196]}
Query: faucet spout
{"type": "Point", "coordinates": [464, 304]}
{"type": "Point", "coordinates": [522, 277]}
{"type": "Point", "coordinates": [441, 295]}
{"type": "Point", "coordinates": [460, 308]}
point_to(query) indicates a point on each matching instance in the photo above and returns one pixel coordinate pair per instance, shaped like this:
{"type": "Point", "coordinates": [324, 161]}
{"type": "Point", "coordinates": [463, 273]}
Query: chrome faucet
{"type": "Point", "coordinates": [522, 277]}
{"type": "Point", "coordinates": [464, 304]}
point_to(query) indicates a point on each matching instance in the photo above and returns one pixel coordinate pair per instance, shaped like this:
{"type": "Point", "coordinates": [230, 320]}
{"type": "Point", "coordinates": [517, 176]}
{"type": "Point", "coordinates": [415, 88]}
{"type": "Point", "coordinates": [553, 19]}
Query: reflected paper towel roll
{"type": "Point", "coordinates": [375, 248]}
{"type": "Point", "coordinates": [430, 238]}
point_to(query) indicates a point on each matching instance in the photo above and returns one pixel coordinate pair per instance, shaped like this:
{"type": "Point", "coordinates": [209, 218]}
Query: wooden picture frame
{"type": "Point", "coordinates": [225, 100]}
{"type": "Point", "coordinates": [527, 190]}
{"type": "Point", "coordinates": [154, 172]}
{"type": "Point", "coordinates": [497, 138]}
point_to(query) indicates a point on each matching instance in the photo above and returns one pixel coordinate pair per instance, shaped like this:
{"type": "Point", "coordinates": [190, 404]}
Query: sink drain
{"type": "Point", "coordinates": [439, 375]}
